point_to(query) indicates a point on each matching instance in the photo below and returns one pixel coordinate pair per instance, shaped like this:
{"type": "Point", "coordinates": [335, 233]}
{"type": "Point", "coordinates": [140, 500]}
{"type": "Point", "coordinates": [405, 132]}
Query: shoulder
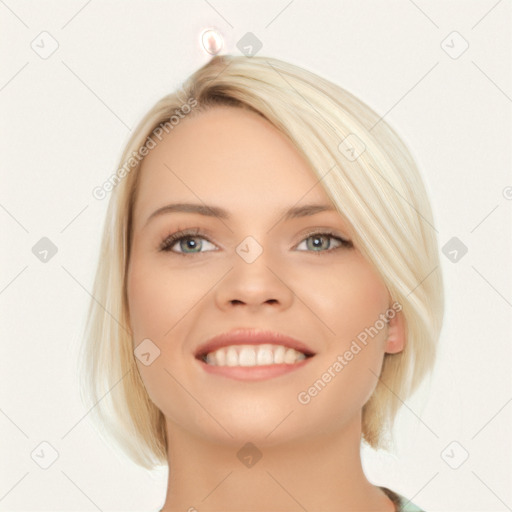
{"type": "Point", "coordinates": [402, 503]}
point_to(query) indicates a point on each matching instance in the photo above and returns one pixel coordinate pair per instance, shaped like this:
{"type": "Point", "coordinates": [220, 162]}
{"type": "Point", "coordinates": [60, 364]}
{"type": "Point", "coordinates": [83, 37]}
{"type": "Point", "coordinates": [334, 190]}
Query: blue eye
{"type": "Point", "coordinates": [316, 239]}
{"type": "Point", "coordinates": [186, 240]}
{"type": "Point", "coordinates": [189, 240]}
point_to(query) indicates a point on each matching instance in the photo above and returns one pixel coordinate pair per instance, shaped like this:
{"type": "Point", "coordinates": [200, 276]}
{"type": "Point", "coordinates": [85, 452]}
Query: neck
{"type": "Point", "coordinates": [319, 473]}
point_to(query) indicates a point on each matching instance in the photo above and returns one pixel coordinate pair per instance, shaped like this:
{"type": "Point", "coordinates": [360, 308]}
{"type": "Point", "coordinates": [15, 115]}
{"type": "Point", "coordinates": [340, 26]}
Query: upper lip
{"type": "Point", "coordinates": [251, 336]}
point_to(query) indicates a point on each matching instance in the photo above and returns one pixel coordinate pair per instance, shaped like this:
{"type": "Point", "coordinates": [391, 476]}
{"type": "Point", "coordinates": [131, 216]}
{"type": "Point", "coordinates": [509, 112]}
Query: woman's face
{"type": "Point", "coordinates": [315, 289]}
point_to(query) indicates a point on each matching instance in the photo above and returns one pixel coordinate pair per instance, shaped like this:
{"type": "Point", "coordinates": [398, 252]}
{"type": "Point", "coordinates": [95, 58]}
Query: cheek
{"type": "Point", "coordinates": [348, 297]}
{"type": "Point", "coordinates": [159, 297]}
{"type": "Point", "coordinates": [144, 299]}
{"type": "Point", "coordinates": [158, 301]}
{"type": "Point", "coordinates": [349, 302]}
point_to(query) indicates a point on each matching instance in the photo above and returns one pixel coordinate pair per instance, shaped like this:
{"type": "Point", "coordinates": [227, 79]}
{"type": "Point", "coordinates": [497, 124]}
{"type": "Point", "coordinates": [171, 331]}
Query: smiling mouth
{"type": "Point", "coordinates": [253, 355]}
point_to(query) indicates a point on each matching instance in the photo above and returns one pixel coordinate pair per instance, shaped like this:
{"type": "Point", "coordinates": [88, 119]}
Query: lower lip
{"type": "Point", "coordinates": [254, 373]}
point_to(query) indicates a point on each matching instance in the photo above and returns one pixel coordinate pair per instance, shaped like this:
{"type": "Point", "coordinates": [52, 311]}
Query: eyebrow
{"type": "Point", "coordinates": [216, 211]}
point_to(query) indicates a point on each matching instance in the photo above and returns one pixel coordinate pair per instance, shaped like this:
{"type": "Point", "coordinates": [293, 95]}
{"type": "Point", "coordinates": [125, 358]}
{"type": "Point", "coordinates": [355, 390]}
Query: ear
{"type": "Point", "coordinates": [396, 334]}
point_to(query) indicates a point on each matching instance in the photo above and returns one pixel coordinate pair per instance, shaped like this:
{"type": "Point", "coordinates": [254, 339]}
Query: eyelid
{"type": "Point", "coordinates": [324, 231]}
{"type": "Point", "coordinates": [174, 237]}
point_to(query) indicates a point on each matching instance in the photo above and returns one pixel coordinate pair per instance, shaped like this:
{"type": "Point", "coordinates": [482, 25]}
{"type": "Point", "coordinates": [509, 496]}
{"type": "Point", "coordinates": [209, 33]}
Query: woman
{"type": "Point", "coordinates": [261, 305]}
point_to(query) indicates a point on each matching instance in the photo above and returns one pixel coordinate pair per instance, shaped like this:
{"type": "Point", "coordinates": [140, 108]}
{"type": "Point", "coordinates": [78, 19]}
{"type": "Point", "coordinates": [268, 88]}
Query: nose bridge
{"type": "Point", "coordinates": [250, 250]}
{"type": "Point", "coordinates": [253, 279]}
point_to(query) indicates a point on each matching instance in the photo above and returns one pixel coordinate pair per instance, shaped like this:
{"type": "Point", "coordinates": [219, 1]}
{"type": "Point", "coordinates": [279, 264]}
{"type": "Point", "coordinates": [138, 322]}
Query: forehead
{"type": "Point", "coordinates": [226, 156]}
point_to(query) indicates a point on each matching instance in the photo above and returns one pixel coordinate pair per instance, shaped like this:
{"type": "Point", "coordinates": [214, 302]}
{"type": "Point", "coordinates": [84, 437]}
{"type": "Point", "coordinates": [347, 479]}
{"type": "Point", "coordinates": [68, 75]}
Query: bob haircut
{"type": "Point", "coordinates": [368, 173]}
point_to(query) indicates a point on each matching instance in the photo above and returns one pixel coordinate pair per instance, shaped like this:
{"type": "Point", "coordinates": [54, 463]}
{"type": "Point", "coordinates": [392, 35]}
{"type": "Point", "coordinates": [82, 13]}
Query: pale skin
{"type": "Point", "coordinates": [324, 296]}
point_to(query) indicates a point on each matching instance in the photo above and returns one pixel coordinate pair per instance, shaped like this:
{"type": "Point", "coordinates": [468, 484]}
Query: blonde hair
{"type": "Point", "coordinates": [371, 178]}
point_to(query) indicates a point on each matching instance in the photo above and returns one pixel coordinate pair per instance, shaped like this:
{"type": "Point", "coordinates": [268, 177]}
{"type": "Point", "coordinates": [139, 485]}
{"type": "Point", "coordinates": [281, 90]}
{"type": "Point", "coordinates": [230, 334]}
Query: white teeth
{"type": "Point", "coordinates": [220, 357]}
{"type": "Point", "coordinates": [254, 355]}
{"type": "Point", "coordinates": [265, 356]}
{"type": "Point", "coordinates": [231, 357]}
{"type": "Point", "coordinates": [279, 354]}
{"type": "Point", "coordinates": [289, 357]}
{"type": "Point", "coordinates": [247, 357]}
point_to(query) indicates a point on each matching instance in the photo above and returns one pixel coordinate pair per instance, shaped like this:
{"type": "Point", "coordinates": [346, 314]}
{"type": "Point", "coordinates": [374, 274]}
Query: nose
{"type": "Point", "coordinates": [254, 285]}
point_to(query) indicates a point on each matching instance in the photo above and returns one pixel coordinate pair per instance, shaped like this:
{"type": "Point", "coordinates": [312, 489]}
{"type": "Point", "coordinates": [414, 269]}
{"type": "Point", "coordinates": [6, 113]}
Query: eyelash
{"type": "Point", "coordinates": [171, 240]}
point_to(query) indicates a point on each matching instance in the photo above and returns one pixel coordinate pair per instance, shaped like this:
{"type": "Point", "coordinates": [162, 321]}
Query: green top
{"type": "Point", "coordinates": [402, 504]}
